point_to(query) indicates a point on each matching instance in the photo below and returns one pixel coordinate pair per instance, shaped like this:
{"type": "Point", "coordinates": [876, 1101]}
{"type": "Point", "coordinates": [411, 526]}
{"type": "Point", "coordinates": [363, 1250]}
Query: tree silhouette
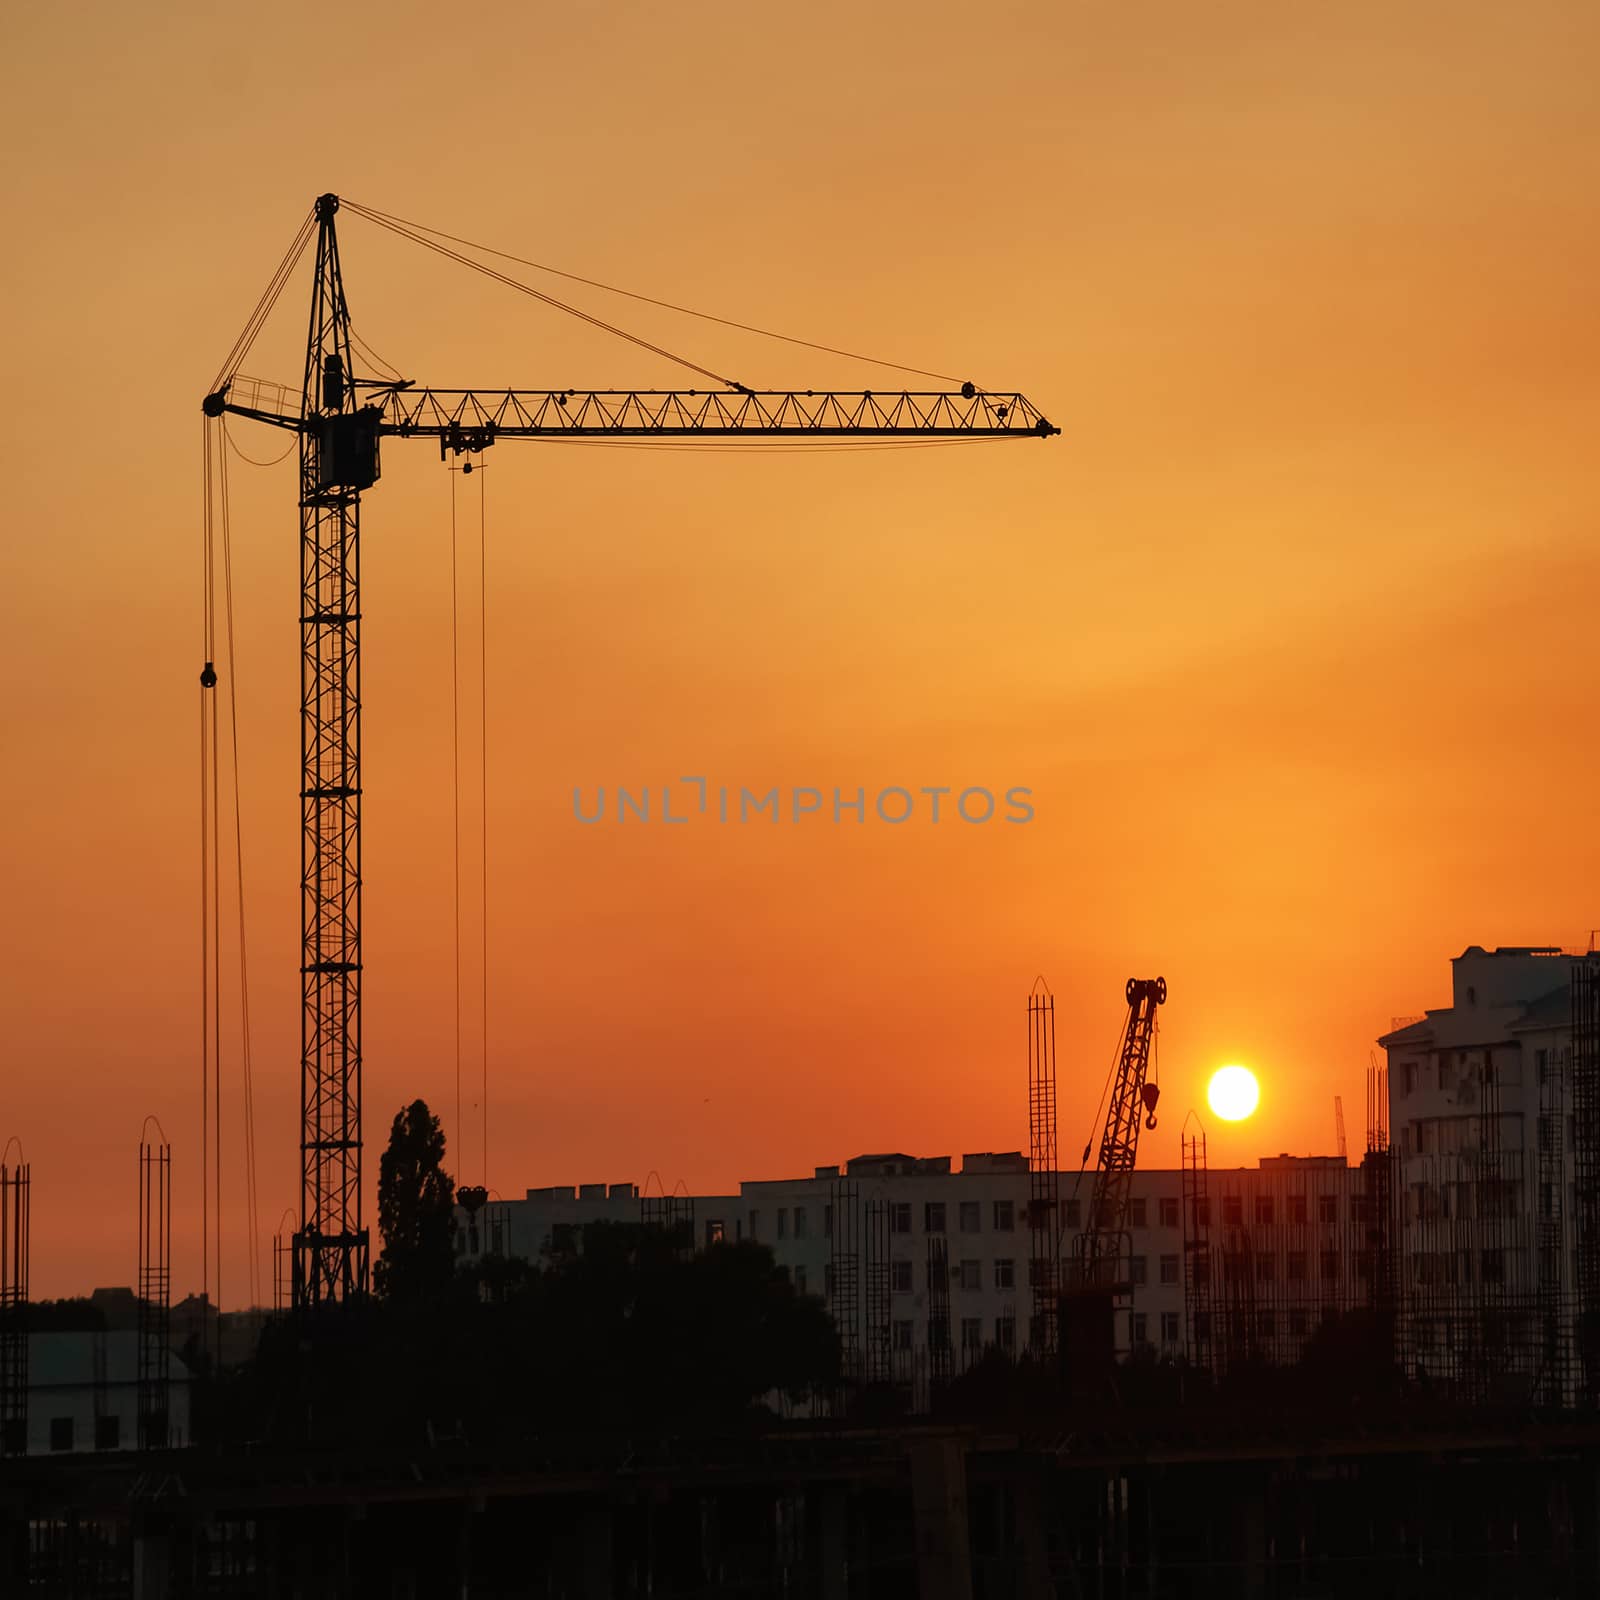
{"type": "Point", "coordinates": [416, 1210]}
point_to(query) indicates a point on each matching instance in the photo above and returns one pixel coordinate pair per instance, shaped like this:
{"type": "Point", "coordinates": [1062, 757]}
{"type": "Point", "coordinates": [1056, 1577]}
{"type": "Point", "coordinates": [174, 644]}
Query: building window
{"type": "Point", "coordinates": [1138, 1269]}
{"type": "Point", "coordinates": [1005, 1216]}
{"type": "Point", "coordinates": [61, 1433]}
{"type": "Point", "coordinates": [1494, 1266]}
{"type": "Point", "coordinates": [1005, 1333]}
{"type": "Point", "coordinates": [1299, 1213]}
{"type": "Point", "coordinates": [1074, 1214]}
{"type": "Point", "coordinates": [1169, 1213]}
{"type": "Point", "coordinates": [1542, 1061]}
{"type": "Point", "coordinates": [900, 1277]}
{"type": "Point", "coordinates": [970, 1275]}
{"type": "Point", "coordinates": [1265, 1269]}
{"type": "Point", "coordinates": [1266, 1325]}
{"type": "Point", "coordinates": [1169, 1327]}
{"type": "Point", "coordinates": [1297, 1266]}
{"type": "Point", "coordinates": [1138, 1322]}
{"type": "Point", "coordinates": [755, 1218]}
{"type": "Point", "coordinates": [971, 1334]}
{"type": "Point", "coordinates": [1202, 1213]}
{"type": "Point", "coordinates": [938, 1335]}
{"type": "Point", "coordinates": [827, 1280]}
{"type": "Point", "coordinates": [827, 1222]}
{"type": "Point", "coordinates": [108, 1432]}
{"type": "Point", "coordinates": [902, 1336]}
{"type": "Point", "coordinates": [933, 1216]}
{"type": "Point", "coordinates": [799, 1280]}
{"type": "Point", "coordinates": [1328, 1208]}
{"type": "Point", "coordinates": [900, 1217]}
{"type": "Point", "coordinates": [1169, 1269]}
{"type": "Point", "coordinates": [1005, 1274]}
{"type": "Point", "coordinates": [1299, 1324]}
{"type": "Point", "coordinates": [799, 1222]}
{"type": "Point", "coordinates": [1232, 1211]}
{"type": "Point", "coordinates": [783, 1222]}
{"type": "Point", "coordinates": [1263, 1210]}
{"type": "Point", "coordinates": [971, 1217]}
{"type": "Point", "coordinates": [1136, 1213]}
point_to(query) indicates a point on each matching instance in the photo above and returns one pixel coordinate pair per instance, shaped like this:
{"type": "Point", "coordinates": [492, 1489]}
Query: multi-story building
{"type": "Point", "coordinates": [1483, 1134]}
{"type": "Point", "coordinates": [1267, 1254]}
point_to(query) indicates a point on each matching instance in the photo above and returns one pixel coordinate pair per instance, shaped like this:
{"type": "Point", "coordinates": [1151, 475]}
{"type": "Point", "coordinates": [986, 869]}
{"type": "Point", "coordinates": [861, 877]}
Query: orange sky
{"type": "Point", "coordinates": [1289, 632]}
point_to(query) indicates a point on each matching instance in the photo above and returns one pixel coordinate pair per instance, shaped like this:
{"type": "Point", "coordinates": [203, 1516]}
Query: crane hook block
{"type": "Point", "coordinates": [208, 676]}
{"type": "Point", "coordinates": [1150, 1093]}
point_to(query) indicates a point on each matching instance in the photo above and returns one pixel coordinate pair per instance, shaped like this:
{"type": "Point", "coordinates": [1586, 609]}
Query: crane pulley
{"type": "Point", "coordinates": [340, 414]}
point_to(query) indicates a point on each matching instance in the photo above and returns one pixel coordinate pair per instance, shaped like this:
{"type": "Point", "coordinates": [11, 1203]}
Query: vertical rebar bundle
{"type": "Point", "coordinates": [844, 1273]}
{"type": "Point", "coordinates": [14, 1225]}
{"type": "Point", "coordinates": [1044, 1198]}
{"type": "Point", "coordinates": [938, 1310]}
{"type": "Point", "coordinates": [155, 1293]}
{"type": "Point", "coordinates": [878, 1366]}
{"type": "Point", "coordinates": [1198, 1341]}
{"type": "Point", "coordinates": [1555, 1386]}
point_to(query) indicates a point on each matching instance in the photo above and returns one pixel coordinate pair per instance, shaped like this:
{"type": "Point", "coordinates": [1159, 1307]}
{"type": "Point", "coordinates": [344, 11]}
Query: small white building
{"type": "Point", "coordinates": [83, 1393]}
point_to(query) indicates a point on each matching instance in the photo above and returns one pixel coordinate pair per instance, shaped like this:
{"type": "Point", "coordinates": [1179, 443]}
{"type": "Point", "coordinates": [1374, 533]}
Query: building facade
{"type": "Point", "coordinates": [1484, 1134]}
{"type": "Point", "coordinates": [1225, 1265]}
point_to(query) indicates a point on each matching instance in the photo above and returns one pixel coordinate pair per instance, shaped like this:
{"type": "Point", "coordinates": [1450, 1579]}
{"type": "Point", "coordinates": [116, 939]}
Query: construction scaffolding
{"type": "Point", "coordinates": [939, 1363]}
{"type": "Point", "coordinates": [1044, 1197]}
{"type": "Point", "coordinates": [1558, 1374]}
{"type": "Point", "coordinates": [1196, 1206]}
{"type": "Point", "coordinates": [1280, 1255]}
{"type": "Point", "coordinates": [844, 1273]}
{"type": "Point", "coordinates": [155, 1292]}
{"type": "Point", "coordinates": [14, 1228]}
{"type": "Point", "coordinates": [1383, 1219]}
{"type": "Point", "coordinates": [1471, 1314]}
{"type": "Point", "coordinates": [1586, 1170]}
{"type": "Point", "coordinates": [673, 1214]}
{"type": "Point", "coordinates": [878, 1363]}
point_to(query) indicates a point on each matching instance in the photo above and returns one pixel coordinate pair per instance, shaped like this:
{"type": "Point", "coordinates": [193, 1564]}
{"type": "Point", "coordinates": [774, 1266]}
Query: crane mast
{"type": "Point", "coordinates": [340, 418]}
{"type": "Point", "coordinates": [1101, 1250]}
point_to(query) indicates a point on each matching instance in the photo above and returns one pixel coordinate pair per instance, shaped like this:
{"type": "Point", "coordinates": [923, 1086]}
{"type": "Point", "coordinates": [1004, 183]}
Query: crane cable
{"type": "Point", "coordinates": [263, 308]}
{"type": "Point", "coordinates": [483, 793]}
{"type": "Point", "coordinates": [250, 1169]}
{"type": "Point", "coordinates": [208, 682]}
{"type": "Point", "coordinates": [540, 295]}
{"type": "Point", "coordinates": [385, 218]}
{"type": "Point", "coordinates": [455, 784]}
{"type": "Point", "coordinates": [483, 742]}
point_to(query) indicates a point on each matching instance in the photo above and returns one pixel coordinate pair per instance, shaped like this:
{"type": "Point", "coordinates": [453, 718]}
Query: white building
{"type": "Point", "coordinates": [83, 1393]}
{"type": "Point", "coordinates": [1283, 1236]}
{"type": "Point", "coordinates": [1480, 1112]}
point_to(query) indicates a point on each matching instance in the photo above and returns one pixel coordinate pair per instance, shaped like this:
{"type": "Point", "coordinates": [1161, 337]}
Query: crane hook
{"type": "Point", "coordinates": [1150, 1093]}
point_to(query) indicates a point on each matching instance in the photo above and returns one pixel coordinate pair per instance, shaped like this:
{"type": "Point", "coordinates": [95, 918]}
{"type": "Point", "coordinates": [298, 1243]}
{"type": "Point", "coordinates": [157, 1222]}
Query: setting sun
{"type": "Point", "coordinates": [1233, 1093]}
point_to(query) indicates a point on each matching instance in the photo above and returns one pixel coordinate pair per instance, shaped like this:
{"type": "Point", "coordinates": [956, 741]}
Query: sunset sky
{"type": "Point", "coordinates": [1290, 632]}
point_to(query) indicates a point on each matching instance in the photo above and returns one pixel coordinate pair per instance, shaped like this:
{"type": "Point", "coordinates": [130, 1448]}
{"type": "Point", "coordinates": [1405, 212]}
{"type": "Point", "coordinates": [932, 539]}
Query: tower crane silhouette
{"type": "Point", "coordinates": [340, 415]}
